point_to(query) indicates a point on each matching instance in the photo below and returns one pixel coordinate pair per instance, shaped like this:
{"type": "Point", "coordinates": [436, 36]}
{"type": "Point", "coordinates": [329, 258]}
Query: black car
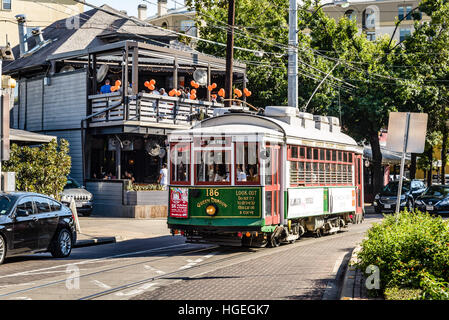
{"type": "Point", "coordinates": [385, 201]}
{"type": "Point", "coordinates": [31, 222]}
{"type": "Point", "coordinates": [434, 200]}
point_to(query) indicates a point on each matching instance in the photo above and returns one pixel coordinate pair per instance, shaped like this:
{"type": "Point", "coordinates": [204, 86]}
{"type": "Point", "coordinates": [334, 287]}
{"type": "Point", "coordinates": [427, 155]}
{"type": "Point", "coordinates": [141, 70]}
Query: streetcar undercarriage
{"type": "Point", "coordinates": [255, 237]}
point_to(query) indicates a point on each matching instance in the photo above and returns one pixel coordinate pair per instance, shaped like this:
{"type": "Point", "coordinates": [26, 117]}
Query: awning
{"type": "Point", "coordinates": [388, 157]}
{"type": "Point", "coordinates": [23, 136]}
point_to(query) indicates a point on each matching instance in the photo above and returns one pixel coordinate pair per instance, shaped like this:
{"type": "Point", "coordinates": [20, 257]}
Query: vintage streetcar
{"type": "Point", "coordinates": [242, 178]}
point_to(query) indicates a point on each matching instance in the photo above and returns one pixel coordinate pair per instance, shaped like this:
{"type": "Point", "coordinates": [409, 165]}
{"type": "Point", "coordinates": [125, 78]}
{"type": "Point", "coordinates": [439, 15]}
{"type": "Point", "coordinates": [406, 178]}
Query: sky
{"type": "Point", "coordinates": [131, 5]}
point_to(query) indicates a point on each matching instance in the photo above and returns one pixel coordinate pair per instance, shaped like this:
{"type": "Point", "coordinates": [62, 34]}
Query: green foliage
{"type": "Point", "coordinates": [41, 169]}
{"type": "Point", "coordinates": [144, 187]}
{"type": "Point", "coordinates": [396, 293]}
{"type": "Point", "coordinates": [411, 251]}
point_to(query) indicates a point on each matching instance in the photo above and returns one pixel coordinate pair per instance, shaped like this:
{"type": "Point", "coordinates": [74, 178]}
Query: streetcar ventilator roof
{"type": "Point", "coordinates": [283, 123]}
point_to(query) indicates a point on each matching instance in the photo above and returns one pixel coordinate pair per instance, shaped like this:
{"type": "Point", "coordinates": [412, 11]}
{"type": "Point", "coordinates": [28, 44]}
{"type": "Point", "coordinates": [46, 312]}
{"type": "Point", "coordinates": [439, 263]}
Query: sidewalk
{"type": "Point", "coordinates": [97, 230]}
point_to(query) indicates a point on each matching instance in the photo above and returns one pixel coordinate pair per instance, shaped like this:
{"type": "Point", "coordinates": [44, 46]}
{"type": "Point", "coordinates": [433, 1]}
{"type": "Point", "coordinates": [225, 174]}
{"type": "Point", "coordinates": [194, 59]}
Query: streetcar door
{"type": "Point", "coordinates": [272, 184]}
{"type": "Point", "coordinates": [359, 183]}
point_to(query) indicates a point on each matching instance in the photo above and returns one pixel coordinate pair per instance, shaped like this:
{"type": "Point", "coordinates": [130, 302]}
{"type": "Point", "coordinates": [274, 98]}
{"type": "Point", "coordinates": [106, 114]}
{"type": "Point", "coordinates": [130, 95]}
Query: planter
{"type": "Point", "coordinates": [155, 198]}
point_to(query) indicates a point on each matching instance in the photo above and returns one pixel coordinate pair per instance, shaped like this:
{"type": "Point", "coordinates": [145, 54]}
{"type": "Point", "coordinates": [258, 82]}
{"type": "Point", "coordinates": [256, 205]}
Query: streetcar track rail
{"type": "Point", "coordinates": [106, 270]}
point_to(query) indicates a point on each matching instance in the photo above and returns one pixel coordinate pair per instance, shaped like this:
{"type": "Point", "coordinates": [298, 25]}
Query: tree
{"type": "Point", "coordinates": [42, 169]}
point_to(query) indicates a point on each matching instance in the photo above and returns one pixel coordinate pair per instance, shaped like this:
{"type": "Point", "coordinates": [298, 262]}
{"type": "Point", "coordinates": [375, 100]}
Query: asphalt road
{"type": "Point", "coordinates": [168, 268]}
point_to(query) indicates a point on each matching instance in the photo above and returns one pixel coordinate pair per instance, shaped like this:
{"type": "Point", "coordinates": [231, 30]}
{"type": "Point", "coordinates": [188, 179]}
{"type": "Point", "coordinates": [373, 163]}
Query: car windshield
{"type": "Point", "coordinates": [392, 188]}
{"type": "Point", "coordinates": [6, 203]}
{"type": "Point", "coordinates": [437, 191]}
{"type": "Point", "coordinates": [72, 184]}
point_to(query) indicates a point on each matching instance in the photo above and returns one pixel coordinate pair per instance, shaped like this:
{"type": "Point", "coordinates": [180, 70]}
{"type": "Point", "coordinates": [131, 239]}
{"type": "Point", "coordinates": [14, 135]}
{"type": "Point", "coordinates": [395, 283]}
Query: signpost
{"type": "Point", "coordinates": [406, 134]}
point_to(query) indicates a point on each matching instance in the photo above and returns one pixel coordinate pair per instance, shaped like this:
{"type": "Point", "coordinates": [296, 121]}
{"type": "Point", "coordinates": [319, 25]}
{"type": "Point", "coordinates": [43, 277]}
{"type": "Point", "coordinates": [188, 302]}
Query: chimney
{"type": "Point", "coordinates": [21, 21]}
{"type": "Point", "coordinates": [142, 11]}
{"type": "Point", "coordinates": [161, 7]}
{"type": "Point", "coordinates": [37, 34]}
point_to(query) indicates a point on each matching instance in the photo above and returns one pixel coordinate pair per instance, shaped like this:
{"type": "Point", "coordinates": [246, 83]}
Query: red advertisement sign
{"type": "Point", "coordinates": [179, 202]}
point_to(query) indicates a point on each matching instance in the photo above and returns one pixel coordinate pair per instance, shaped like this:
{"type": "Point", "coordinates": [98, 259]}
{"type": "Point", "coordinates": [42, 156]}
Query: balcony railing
{"type": "Point", "coordinates": [150, 108]}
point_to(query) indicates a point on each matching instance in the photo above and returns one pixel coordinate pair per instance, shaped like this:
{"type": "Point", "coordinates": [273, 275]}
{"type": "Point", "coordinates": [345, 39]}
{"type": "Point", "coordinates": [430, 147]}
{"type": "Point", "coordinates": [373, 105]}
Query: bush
{"type": "Point", "coordinates": [42, 169]}
{"type": "Point", "coordinates": [411, 251]}
{"type": "Point", "coordinates": [144, 187]}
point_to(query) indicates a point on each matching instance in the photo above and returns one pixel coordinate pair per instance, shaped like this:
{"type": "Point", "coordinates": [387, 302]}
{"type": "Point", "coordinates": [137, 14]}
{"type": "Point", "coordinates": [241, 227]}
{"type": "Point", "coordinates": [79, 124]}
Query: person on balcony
{"type": "Point", "coordinates": [162, 92]}
{"type": "Point", "coordinates": [106, 88]}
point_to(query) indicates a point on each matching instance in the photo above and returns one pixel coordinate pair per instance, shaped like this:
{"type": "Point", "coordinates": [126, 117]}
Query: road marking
{"type": "Point", "coordinates": [31, 272]}
{"type": "Point", "coordinates": [139, 290]}
{"type": "Point", "coordinates": [150, 268]}
{"type": "Point", "coordinates": [101, 284]}
{"type": "Point", "coordinates": [21, 298]}
{"type": "Point", "coordinates": [18, 284]}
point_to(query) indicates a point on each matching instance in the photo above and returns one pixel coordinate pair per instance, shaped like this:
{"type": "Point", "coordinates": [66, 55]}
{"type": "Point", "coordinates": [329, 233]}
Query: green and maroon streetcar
{"type": "Point", "coordinates": [241, 178]}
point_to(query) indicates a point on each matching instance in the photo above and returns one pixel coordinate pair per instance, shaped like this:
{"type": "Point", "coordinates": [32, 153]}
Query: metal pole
{"type": "Point", "coordinates": [398, 200]}
{"type": "Point", "coordinates": [293, 55]}
{"type": "Point", "coordinates": [1, 124]}
{"type": "Point", "coordinates": [229, 54]}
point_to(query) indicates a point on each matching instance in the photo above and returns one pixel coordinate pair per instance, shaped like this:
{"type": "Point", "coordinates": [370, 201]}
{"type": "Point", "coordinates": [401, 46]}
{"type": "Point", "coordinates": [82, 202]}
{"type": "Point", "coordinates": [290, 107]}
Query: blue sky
{"type": "Point", "coordinates": [131, 5]}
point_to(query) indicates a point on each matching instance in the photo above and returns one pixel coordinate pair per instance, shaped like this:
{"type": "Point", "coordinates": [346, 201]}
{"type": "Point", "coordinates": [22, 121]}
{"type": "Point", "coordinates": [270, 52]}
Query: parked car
{"type": "Point", "coordinates": [434, 200]}
{"type": "Point", "coordinates": [31, 222]}
{"type": "Point", "coordinates": [385, 201]}
{"type": "Point", "coordinates": [83, 198]}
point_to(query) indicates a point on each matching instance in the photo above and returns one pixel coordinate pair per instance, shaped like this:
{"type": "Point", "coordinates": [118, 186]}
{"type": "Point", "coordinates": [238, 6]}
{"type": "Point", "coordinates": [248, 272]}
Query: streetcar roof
{"type": "Point", "coordinates": [235, 124]}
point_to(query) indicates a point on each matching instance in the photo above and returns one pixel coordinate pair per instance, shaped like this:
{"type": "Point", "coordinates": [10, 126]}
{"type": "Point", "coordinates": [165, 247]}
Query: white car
{"type": "Point", "coordinates": [83, 198]}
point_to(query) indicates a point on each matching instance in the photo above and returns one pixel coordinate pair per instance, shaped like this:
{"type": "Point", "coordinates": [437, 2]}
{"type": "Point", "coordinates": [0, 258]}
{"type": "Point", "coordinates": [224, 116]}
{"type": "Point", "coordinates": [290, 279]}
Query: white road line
{"type": "Point", "coordinates": [139, 290]}
{"type": "Point", "coordinates": [150, 268]}
{"type": "Point", "coordinates": [21, 298]}
{"type": "Point", "coordinates": [18, 284]}
{"type": "Point", "coordinates": [101, 284]}
{"type": "Point", "coordinates": [31, 272]}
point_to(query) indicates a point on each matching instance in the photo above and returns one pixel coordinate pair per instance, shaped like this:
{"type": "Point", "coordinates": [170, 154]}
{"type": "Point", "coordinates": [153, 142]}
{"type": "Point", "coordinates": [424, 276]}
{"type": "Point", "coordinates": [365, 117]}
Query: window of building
{"type": "Point", "coordinates": [404, 11]}
{"type": "Point", "coordinates": [371, 36]}
{"type": "Point", "coordinates": [351, 14]}
{"type": "Point", "coordinates": [404, 33]}
{"type": "Point", "coordinates": [6, 4]}
{"type": "Point", "coordinates": [369, 20]}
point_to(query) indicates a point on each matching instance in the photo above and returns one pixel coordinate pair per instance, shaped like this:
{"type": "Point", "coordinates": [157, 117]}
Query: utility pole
{"type": "Point", "coordinates": [229, 53]}
{"type": "Point", "coordinates": [293, 55]}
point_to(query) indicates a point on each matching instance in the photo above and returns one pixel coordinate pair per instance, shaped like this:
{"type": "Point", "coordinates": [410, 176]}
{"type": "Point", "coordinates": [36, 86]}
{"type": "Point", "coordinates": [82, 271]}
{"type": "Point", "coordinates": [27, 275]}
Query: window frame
{"type": "Point", "coordinates": [3, 6]}
{"type": "Point", "coordinates": [342, 175]}
{"type": "Point", "coordinates": [243, 183]}
{"type": "Point", "coordinates": [188, 145]}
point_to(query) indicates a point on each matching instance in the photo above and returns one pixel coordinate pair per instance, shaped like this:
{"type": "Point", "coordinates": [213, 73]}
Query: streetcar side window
{"type": "Point", "coordinates": [213, 166]}
{"type": "Point", "coordinates": [246, 163]}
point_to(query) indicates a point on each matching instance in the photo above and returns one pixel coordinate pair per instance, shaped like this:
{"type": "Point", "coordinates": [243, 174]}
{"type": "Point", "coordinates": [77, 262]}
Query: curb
{"type": "Point", "coordinates": [352, 279]}
{"type": "Point", "coordinates": [94, 242]}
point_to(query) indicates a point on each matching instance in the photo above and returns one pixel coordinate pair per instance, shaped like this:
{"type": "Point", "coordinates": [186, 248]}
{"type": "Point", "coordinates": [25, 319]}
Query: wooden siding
{"type": "Point", "coordinates": [65, 101]}
{"type": "Point", "coordinates": [74, 139]}
{"type": "Point", "coordinates": [34, 105]}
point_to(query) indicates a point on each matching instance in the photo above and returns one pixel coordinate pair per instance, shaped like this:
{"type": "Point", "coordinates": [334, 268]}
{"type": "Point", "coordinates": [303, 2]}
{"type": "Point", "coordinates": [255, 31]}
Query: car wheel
{"type": "Point", "coordinates": [2, 249]}
{"type": "Point", "coordinates": [377, 210]}
{"type": "Point", "coordinates": [62, 244]}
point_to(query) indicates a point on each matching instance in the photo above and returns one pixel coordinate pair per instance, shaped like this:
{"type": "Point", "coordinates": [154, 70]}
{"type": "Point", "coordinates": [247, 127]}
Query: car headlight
{"type": "Point", "coordinates": [418, 202]}
{"type": "Point", "coordinates": [443, 202]}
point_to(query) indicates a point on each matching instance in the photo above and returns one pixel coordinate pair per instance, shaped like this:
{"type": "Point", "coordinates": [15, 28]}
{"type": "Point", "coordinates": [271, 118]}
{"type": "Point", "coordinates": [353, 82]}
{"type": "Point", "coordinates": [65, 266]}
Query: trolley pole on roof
{"type": "Point", "coordinates": [293, 55]}
{"type": "Point", "coordinates": [229, 53]}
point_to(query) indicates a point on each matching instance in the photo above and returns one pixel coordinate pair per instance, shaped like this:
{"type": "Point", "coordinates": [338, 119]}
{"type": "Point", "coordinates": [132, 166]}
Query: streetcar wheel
{"type": "Point", "coordinates": [274, 242]}
{"type": "Point", "coordinates": [318, 234]}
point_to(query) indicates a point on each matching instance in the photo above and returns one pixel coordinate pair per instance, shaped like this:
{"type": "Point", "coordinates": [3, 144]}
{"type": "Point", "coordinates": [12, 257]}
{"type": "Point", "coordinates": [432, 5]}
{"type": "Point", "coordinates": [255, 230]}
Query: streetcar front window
{"type": "Point", "coordinates": [246, 163]}
{"type": "Point", "coordinates": [180, 163]}
{"type": "Point", "coordinates": [213, 166]}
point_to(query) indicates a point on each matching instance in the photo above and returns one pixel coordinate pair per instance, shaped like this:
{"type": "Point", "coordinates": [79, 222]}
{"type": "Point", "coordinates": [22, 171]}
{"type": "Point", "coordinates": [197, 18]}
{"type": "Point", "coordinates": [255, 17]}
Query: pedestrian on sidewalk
{"type": "Point", "coordinates": [163, 177]}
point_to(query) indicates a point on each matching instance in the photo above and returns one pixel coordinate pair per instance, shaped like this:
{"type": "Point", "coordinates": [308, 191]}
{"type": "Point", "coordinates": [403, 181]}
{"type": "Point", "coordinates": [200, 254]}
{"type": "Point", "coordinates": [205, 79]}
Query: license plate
{"type": "Point", "coordinates": [388, 206]}
{"type": "Point", "coordinates": [429, 208]}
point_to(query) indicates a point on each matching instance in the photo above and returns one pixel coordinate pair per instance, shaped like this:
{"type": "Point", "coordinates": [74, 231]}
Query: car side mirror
{"type": "Point", "coordinates": [21, 213]}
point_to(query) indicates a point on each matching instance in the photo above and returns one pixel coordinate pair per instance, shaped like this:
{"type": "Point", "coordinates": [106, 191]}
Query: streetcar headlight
{"type": "Point", "coordinates": [211, 210]}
